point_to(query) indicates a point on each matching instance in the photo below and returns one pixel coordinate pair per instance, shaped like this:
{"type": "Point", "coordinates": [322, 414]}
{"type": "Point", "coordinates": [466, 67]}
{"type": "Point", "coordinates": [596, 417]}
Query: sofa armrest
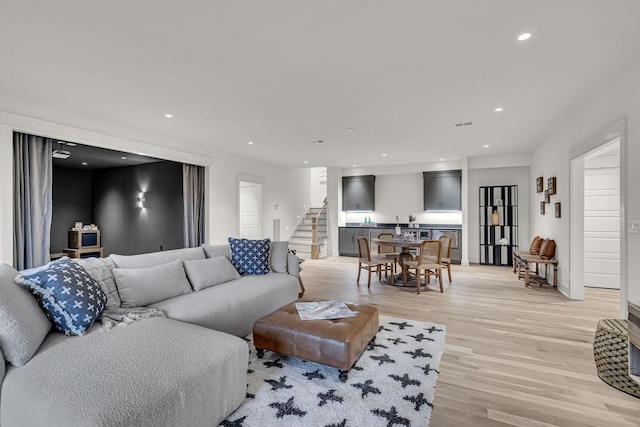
{"type": "Point", "coordinates": [293, 265]}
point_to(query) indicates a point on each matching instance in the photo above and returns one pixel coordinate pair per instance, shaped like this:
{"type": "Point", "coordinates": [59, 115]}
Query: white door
{"type": "Point", "coordinates": [250, 209]}
{"type": "Point", "coordinates": [602, 218]}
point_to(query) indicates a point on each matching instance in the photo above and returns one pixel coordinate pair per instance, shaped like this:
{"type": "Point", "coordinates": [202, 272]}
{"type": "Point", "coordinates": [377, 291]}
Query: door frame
{"type": "Point", "coordinates": [576, 249]}
{"type": "Point", "coordinates": [254, 180]}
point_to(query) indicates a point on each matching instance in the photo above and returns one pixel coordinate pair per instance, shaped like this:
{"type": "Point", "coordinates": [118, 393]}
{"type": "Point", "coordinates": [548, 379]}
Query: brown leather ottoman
{"type": "Point", "coordinates": [337, 343]}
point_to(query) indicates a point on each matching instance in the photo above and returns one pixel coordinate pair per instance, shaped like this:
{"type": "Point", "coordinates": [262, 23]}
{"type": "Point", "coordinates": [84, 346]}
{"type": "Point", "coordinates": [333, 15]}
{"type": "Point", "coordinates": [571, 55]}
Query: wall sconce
{"type": "Point", "coordinates": [141, 200]}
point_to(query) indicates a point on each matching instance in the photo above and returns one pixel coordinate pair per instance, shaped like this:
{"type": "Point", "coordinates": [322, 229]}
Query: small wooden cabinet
{"type": "Point", "coordinates": [84, 244]}
{"type": "Point", "coordinates": [442, 190]}
{"type": "Point", "coordinates": [359, 193]}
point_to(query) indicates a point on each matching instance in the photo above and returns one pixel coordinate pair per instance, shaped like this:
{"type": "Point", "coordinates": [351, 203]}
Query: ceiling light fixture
{"type": "Point", "coordinates": [384, 154]}
{"type": "Point", "coordinates": [441, 160]}
{"type": "Point", "coordinates": [60, 153]}
{"type": "Point", "coordinates": [351, 129]}
{"type": "Point", "coordinates": [168, 116]}
{"type": "Point", "coordinates": [317, 141]}
{"type": "Point", "coordinates": [84, 163]}
{"type": "Point", "coordinates": [499, 109]}
{"type": "Point", "coordinates": [123, 158]}
{"type": "Point", "coordinates": [524, 36]}
{"type": "Point", "coordinates": [305, 162]}
{"type": "Point", "coordinates": [485, 146]}
{"type": "Point", "coordinates": [250, 142]}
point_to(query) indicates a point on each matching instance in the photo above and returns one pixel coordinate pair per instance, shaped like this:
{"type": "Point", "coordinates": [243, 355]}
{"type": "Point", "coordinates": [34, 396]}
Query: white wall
{"type": "Point", "coordinates": [317, 186]}
{"type": "Point", "coordinates": [619, 100]}
{"type": "Point", "coordinates": [288, 189]}
{"type": "Point", "coordinates": [498, 176]}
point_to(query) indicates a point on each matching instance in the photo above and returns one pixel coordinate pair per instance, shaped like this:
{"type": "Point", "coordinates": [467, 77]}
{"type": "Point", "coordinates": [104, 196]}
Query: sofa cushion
{"type": "Point", "coordinates": [204, 273]}
{"type": "Point", "coordinates": [234, 306]}
{"type": "Point", "coordinates": [278, 256]}
{"type": "Point", "coordinates": [139, 287]}
{"type": "Point", "coordinates": [101, 269]}
{"type": "Point", "coordinates": [156, 258]}
{"type": "Point", "coordinates": [23, 325]}
{"type": "Point", "coordinates": [213, 251]}
{"type": "Point", "coordinates": [535, 245]}
{"type": "Point", "coordinates": [67, 293]}
{"type": "Point", "coordinates": [250, 256]}
{"type": "Point", "coordinates": [155, 372]}
{"type": "Point", "coordinates": [3, 367]}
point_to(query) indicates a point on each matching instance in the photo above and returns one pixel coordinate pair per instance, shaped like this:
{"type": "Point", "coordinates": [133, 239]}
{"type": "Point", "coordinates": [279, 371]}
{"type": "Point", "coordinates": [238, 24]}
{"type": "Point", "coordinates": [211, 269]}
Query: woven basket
{"type": "Point", "coordinates": [611, 353]}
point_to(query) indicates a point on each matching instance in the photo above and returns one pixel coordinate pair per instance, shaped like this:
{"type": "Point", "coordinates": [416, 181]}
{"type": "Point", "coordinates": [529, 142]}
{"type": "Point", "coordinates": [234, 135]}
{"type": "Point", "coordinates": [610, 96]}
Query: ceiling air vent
{"type": "Point", "coordinates": [462, 124]}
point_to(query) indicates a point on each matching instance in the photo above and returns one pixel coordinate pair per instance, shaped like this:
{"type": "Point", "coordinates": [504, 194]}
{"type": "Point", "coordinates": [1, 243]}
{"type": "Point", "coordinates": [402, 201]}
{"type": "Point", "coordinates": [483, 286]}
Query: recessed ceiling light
{"type": "Point", "coordinates": [84, 163]}
{"type": "Point", "coordinates": [485, 146]}
{"type": "Point", "coordinates": [354, 166]}
{"type": "Point", "coordinates": [250, 142]}
{"type": "Point", "coordinates": [351, 129]}
{"type": "Point", "coordinates": [305, 162]}
{"type": "Point", "coordinates": [524, 36]}
{"type": "Point", "coordinates": [441, 160]}
{"type": "Point", "coordinates": [384, 154]}
{"type": "Point", "coordinates": [123, 158]}
{"type": "Point", "coordinates": [168, 116]}
{"type": "Point", "coordinates": [499, 109]}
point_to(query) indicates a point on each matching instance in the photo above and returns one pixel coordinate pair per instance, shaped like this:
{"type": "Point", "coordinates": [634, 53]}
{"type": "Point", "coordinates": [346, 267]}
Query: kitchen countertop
{"type": "Point", "coordinates": [404, 225]}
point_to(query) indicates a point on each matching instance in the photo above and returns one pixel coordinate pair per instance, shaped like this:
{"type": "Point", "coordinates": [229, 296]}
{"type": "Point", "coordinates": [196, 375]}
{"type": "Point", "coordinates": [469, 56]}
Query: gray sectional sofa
{"type": "Point", "coordinates": [185, 369]}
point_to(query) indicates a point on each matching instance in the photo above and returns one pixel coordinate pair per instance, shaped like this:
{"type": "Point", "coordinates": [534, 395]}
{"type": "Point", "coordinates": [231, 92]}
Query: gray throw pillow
{"type": "Point", "coordinates": [204, 273]}
{"type": "Point", "coordinates": [214, 251]}
{"type": "Point", "coordinates": [139, 287]}
{"type": "Point", "coordinates": [23, 324]}
{"type": "Point", "coordinates": [101, 270]}
{"type": "Point", "coordinates": [278, 256]}
{"type": "Point", "coordinates": [156, 258]}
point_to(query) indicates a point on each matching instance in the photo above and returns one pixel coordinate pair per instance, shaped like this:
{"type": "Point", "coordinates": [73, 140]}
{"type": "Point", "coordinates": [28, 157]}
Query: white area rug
{"type": "Point", "coordinates": [392, 384]}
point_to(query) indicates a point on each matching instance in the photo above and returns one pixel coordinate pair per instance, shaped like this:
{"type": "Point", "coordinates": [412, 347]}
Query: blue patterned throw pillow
{"type": "Point", "coordinates": [250, 256]}
{"type": "Point", "coordinates": [69, 296]}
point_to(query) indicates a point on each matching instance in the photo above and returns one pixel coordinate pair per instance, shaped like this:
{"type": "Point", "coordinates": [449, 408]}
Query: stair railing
{"type": "Point", "coordinates": [315, 245]}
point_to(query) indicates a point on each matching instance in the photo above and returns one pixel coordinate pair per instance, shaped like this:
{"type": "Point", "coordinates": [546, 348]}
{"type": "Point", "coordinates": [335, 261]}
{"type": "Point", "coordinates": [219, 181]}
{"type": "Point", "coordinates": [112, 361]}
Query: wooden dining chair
{"type": "Point", "coordinates": [388, 250]}
{"type": "Point", "coordinates": [446, 254]}
{"type": "Point", "coordinates": [372, 264]}
{"type": "Point", "coordinates": [429, 260]}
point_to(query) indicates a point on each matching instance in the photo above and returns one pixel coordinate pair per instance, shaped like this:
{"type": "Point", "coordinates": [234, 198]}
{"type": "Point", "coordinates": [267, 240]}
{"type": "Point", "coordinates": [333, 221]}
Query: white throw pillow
{"type": "Point", "coordinates": [204, 273]}
{"type": "Point", "coordinates": [139, 287]}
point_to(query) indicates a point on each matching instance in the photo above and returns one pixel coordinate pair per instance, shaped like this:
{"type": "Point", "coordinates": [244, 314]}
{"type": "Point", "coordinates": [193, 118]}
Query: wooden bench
{"type": "Point", "coordinates": [542, 251]}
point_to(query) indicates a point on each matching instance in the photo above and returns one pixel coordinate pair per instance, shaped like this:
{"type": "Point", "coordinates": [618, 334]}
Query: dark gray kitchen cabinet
{"type": "Point", "coordinates": [442, 190]}
{"type": "Point", "coordinates": [359, 193]}
{"type": "Point", "coordinates": [348, 240]}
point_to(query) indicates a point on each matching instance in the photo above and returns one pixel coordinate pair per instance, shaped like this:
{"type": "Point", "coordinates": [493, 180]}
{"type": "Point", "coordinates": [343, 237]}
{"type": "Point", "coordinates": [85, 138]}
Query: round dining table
{"type": "Point", "coordinates": [405, 253]}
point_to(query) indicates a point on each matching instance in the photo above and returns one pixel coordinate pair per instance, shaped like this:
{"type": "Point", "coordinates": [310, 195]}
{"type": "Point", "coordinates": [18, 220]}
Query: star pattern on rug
{"type": "Point", "coordinates": [418, 400]}
{"type": "Point", "coordinates": [315, 375]}
{"type": "Point", "coordinates": [417, 353]}
{"type": "Point", "coordinates": [278, 385]}
{"type": "Point", "coordinates": [341, 424]}
{"type": "Point", "coordinates": [402, 325]}
{"type": "Point", "coordinates": [287, 408]}
{"type": "Point", "coordinates": [273, 364]}
{"type": "Point", "coordinates": [396, 341]}
{"type": "Point", "coordinates": [426, 369]}
{"type": "Point", "coordinates": [329, 396]}
{"type": "Point", "coordinates": [367, 388]}
{"type": "Point", "coordinates": [383, 359]}
{"type": "Point", "coordinates": [392, 417]}
{"type": "Point", "coordinates": [237, 423]}
{"type": "Point", "coordinates": [373, 345]}
{"type": "Point", "coordinates": [405, 380]}
{"type": "Point", "coordinates": [421, 337]}
{"type": "Point", "coordinates": [434, 329]}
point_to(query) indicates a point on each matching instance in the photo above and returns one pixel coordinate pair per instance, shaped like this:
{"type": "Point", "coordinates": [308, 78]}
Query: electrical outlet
{"type": "Point", "coordinates": [634, 226]}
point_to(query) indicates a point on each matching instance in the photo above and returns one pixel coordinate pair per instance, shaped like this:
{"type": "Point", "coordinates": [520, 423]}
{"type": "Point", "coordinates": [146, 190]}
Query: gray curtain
{"type": "Point", "coordinates": [193, 196]}
{"type": "Point", "coordinates": [32, 195]}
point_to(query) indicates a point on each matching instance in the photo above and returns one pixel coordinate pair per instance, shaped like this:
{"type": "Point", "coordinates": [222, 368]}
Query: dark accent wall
{"type": "Point", "coordinates": [128, 229]}
{"type": "Point", "coordinates": [71, 194]}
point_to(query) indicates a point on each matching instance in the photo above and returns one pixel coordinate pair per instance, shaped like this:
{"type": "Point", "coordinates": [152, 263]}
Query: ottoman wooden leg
{"type": "Point", "coordinates": [260, 353]}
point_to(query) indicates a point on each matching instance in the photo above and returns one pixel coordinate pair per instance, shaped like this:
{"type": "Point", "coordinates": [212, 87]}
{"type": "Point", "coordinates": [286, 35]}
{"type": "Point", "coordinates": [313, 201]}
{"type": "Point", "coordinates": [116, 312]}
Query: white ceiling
{"type": "Point", "coordinates": [283, 73]}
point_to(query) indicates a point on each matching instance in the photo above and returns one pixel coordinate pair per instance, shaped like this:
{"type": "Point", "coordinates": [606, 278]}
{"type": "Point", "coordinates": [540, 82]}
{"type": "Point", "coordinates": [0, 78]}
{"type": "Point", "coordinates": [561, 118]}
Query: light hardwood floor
{"type": "Point", "coordinates": [513, 355]}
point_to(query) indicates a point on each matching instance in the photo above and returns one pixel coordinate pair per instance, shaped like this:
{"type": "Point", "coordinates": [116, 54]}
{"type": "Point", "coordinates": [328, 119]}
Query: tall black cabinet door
{"type": "Point", "coordinates": [451, 192]}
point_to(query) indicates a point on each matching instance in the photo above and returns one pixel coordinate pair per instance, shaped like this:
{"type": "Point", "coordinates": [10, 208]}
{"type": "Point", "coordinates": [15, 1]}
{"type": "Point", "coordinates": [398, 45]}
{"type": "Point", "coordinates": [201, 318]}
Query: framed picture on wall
{"type": "Point", "coordinates": [551, 185]}
{"type": "Point", "coordinates": [542, 208]}
{"type": "Point", "coordinates": [547, 196]}
{"type": "Point", "coordinates": [539, 184]}
{"type": "Point", "coordinates": [557, 209]}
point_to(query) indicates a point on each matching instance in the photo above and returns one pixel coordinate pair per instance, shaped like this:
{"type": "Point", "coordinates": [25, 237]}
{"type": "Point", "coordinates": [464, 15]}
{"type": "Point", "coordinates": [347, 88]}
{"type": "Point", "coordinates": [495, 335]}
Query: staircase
{"type": "Point", "coordinates": [301, 238]}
